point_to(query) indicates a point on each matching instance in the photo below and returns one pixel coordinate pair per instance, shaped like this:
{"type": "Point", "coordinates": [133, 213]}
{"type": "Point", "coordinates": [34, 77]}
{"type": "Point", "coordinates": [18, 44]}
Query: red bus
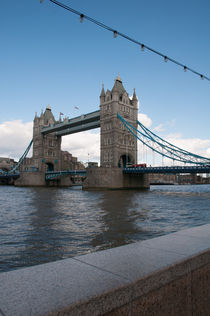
{"type": "Point", "coordinates": [138, 165]}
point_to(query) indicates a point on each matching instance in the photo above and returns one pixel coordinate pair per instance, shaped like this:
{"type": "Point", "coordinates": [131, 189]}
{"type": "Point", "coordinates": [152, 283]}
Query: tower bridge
{"type": "Point", "coordinates": [119, 132]}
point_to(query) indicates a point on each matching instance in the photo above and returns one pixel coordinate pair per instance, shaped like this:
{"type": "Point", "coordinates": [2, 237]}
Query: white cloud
{"type": "Point", "coordinates": [164, 126]}
{"type": "Point", "coordinates": [159, 128]}
{"type": "Point", "coordinates": [194, 145]}
{"type": "Point", "coordinates": [85, 145]}
{"type": "Point", "coordinates": [15, 137]}
{"type": "Point", "coordinates": [144, 119]}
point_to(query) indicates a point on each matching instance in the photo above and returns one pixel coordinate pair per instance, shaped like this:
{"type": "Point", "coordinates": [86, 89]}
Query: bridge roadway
{"type": "Point", "coordinates": [9, 175]}
{"type": "Point", "coordinates": [77, 124]}
{"type": "Point", "coordinates": [49, 175]}
{"type": "Point", "coordinates": [173, 169]}
{"type": "Point", "coordinates": [138, 170]}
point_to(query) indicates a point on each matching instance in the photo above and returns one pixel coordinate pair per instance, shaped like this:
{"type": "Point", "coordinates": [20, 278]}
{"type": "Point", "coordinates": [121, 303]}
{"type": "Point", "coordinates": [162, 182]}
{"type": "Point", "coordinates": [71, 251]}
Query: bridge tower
{"type": "Point", "coordinates": [46, 148]}
{"type": "Point", "coordinates": [118, 145]}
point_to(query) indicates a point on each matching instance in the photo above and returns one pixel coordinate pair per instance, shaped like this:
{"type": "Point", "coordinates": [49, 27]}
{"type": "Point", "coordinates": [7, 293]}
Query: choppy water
{"type": "Point", "coordinates": [40, 225]}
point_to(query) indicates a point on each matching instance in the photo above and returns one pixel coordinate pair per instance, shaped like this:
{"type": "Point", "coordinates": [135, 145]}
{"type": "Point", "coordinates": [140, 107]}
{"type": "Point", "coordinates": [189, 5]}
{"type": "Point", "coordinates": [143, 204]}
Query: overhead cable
{"type": "Point", "coordinates": [117, 33]}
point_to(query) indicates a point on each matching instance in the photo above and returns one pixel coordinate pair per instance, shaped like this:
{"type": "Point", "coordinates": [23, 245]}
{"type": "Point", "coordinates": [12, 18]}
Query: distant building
{"type": "Point", "coordinates": [191, 179]}
{"type": "Point", "coordinates": [157, 178]}
{"type": "Point", "coordinates": [6, 163]}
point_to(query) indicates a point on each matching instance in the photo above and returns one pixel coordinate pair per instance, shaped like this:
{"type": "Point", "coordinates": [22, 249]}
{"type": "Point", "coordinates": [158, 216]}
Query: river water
{"type": "Point", "coordinates": [39, 225]}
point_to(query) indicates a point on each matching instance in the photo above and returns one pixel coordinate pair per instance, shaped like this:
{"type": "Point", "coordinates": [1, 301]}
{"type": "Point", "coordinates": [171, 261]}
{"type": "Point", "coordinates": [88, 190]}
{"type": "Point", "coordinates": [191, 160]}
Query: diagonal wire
{"type": "Point", "coordinates": [171, 151]}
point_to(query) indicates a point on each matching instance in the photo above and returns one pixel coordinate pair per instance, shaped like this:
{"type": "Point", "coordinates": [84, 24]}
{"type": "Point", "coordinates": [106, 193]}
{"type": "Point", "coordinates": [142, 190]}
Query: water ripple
{"type": "Point", "coordinates": [40, 225]}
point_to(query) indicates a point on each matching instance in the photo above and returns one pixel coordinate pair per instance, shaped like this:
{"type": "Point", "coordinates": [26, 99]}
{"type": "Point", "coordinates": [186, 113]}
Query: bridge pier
{"type": "Point", "coordinates": [37, 179]}
{"type": "Point", "coordinates": [31, 179]}
{"type": "Point", "coordinates": [113, 179]}
{"type": "Point", "coordinates": [60, 182]}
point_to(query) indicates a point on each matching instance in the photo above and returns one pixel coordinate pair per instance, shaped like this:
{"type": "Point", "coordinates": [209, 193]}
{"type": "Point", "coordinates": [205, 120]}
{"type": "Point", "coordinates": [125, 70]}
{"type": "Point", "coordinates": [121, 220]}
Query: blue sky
{"type": "Point", "coordinates": [48, 57]}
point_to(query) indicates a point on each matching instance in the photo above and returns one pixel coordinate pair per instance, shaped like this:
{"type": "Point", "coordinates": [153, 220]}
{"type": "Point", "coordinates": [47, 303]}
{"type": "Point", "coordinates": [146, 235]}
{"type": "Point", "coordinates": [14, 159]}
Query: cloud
{"type": "Point", "coordinates": [159, 128]}
{"type": "Point", "coordinates": [194, 145]}
{"type": "Point", "coordinates": [144, 119]}
{"type": "Point", "coordinates": [15, 137]}
{"type": "Point", "coordinates": [85, 145]}
{"type": "Point", "coordinates": [164, 126]}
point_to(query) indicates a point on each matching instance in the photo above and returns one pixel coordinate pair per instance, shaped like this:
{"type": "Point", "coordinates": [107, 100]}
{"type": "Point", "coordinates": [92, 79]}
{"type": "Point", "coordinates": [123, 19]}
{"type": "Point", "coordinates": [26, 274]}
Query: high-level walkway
{"type": "Point", "coordinates": [77, 124]}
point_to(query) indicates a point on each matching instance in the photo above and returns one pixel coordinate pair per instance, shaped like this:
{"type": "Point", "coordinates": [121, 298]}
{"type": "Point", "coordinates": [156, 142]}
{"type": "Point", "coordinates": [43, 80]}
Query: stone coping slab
{"type": "Point", "coordinates": [103, 280]}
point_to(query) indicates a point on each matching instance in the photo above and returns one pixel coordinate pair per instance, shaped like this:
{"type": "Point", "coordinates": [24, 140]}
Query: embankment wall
{"type": "Point", "coordinates": [168, 275]}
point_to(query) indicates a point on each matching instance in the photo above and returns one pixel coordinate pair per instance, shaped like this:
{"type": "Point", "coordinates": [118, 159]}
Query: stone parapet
{"type": "Point", "coordinates": [168, 275]}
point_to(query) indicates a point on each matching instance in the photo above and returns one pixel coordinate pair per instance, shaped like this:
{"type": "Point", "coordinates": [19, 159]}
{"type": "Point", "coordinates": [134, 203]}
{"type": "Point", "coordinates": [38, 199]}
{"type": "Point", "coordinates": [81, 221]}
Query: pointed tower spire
{"type": "Point", "coordinates": [118, 86]}
{"type": "Point", "coordinates": [102, 95]}
{"type": "Point", "coordinates": [134, 98]}
{"type": "Point", "coordinates": [35, 117]}
{"type": "Point", "coordinates": [118, 78]}
{"type": "Point", "coordinates": [41, 120]}
{"type": "Point", "coordinates": [134, 95]}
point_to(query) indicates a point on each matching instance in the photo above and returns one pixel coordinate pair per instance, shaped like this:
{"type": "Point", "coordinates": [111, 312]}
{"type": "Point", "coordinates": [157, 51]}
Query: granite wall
{"type": "Point", "coordinates": [168, 275]}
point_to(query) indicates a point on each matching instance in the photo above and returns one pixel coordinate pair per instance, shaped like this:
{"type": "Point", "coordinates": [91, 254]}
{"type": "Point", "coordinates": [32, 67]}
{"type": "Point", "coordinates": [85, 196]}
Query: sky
{"type": "Point", "coordinates": [47, 57]}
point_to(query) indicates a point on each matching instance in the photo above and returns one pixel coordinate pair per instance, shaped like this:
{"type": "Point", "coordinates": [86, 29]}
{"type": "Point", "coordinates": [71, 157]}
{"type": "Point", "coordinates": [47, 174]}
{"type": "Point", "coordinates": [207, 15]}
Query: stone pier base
{"type": "Point", "coordinates": [60, 182]}
{"type": "Point", "coordinates": [113, 178]}
{"type": "Point", "coordinates": [31, 179]}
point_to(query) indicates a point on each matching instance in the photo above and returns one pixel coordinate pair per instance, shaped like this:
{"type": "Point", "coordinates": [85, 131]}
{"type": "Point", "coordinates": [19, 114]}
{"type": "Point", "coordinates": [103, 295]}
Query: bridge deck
{"type": "Point", "coordinates": [77, 124]}
{"type": "Point", "coordinates": [9, 175]}
{"type": "Point", "coordinates": [176, 169]}
{"type": "Point", "coordinates": [54, 174]}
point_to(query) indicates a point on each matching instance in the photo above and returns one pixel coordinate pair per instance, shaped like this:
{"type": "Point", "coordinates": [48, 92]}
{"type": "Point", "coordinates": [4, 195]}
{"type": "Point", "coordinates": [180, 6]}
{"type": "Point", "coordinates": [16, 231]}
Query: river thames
{"type": "Point", "coordinates": [39, 225]}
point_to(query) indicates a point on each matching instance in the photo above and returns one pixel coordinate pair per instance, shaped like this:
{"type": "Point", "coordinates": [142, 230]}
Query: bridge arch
{"type": "Point", "coordinates": [125, 159]}
{"type": "Point", "coordinates": [50, 166]}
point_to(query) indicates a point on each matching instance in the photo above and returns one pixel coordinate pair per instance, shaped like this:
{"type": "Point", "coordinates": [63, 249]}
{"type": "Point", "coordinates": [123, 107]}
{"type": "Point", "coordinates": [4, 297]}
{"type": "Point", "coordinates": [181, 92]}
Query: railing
{"type": "Point", "coordinates": [174, 169]}
{"type": "Point", "coordinates": [50, 175]}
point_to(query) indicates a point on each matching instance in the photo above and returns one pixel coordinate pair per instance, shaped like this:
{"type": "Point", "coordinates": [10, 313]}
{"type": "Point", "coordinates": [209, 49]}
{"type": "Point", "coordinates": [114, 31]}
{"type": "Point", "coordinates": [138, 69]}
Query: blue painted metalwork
{"type": "Point", "coordinates": [171, 170]}
{"type": "Point", "coordinates": [6, 175]}
{"type": "Point", "coordinates": [14, 173]}
{"type": "Point", "coordinates": [50, 175]}
{"type": "Point", "coordinates": [21, 158]}
{"type": "Point", "coordinates": [148, 138]}
{"type": "Point", "coordinates": [162, 147]}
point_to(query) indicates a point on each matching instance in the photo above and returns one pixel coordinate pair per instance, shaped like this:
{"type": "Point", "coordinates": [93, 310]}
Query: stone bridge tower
{"type": "Point", "coordinates": [46, 148]}
{"type": "Point", "coordinates": [118, 145]}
